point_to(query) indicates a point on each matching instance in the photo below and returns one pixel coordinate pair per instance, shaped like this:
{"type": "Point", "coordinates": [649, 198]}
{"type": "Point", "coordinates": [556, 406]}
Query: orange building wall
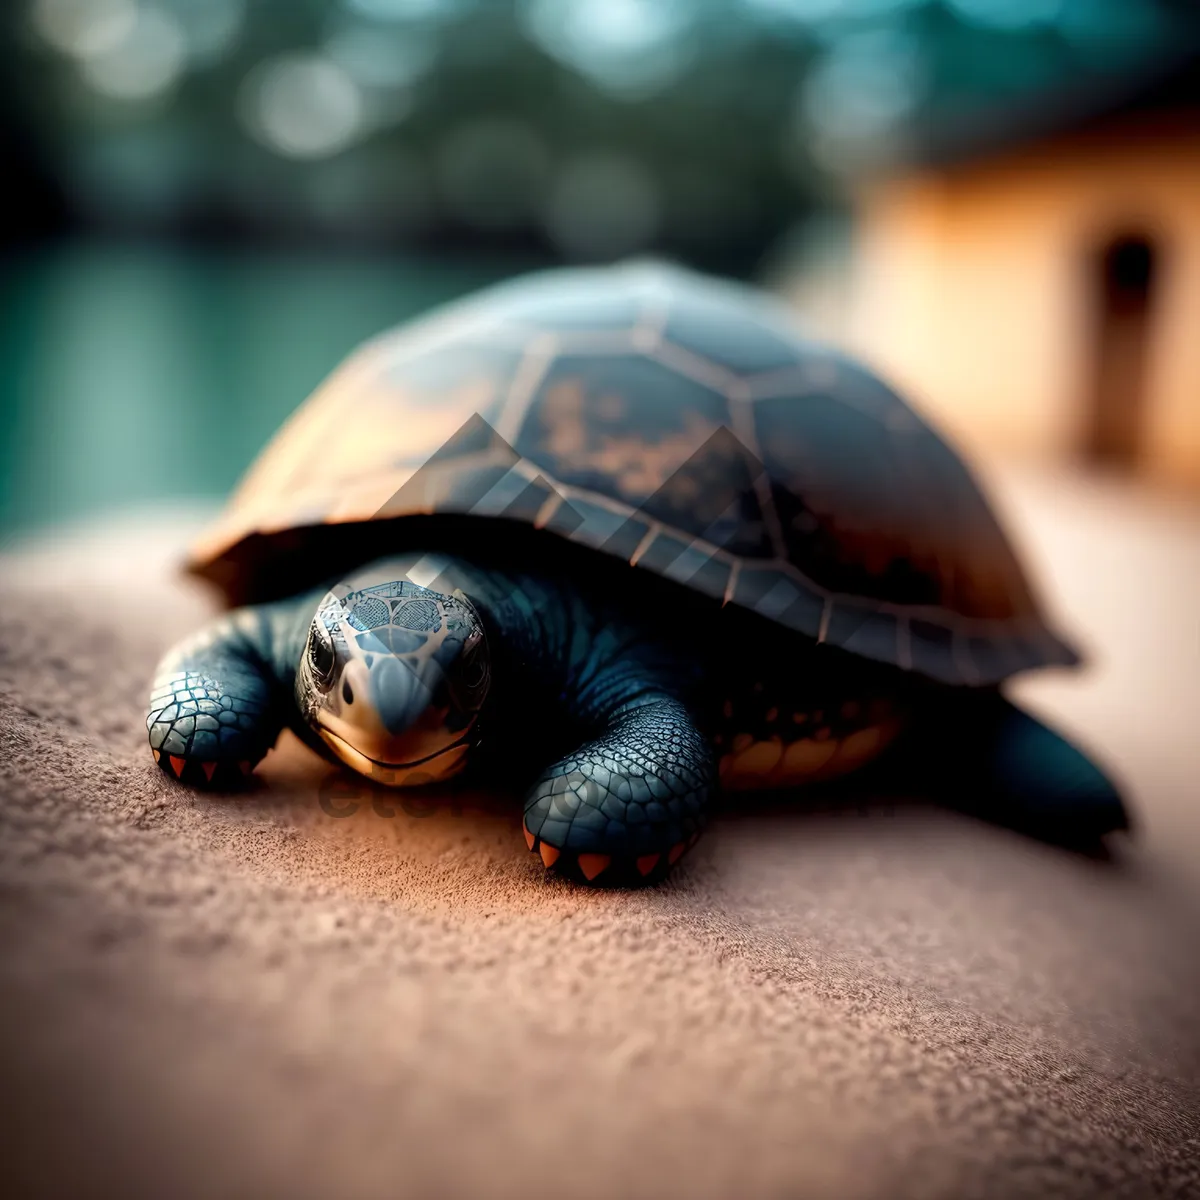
{"type": "Point", "coordinates": [970, 290]}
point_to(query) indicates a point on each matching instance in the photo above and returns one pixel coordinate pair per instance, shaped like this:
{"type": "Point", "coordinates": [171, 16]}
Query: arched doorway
{"type": "Point", "coordinates": [1121, 286]}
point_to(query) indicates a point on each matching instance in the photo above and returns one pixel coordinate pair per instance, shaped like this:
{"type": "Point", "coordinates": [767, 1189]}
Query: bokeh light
{"type": "Point", "coordinates": [402, 10]}
{"type": "Point", "coordinates": [83, 28]}
{"type": "Point", "coordinates": [602, 206]}
{"type": "Point", "coordinates": [420, 135]}
{"type": "Point", "coordinates": [302, 106]}
{"type": "Point", "coordinates": [212, 27]}
{"type": "Point", "coordinates": [388, 57]}
{"type": "Point", "coordinates": [815, 11]}
{"type": "Point", "coordinates": [857, 95]}
{"type": "Point", "coordinates": [583, 128]}
{"type": "Point", "coordinates": [146, 60]}
{"type": "Point", "coordinates": [630, 47]}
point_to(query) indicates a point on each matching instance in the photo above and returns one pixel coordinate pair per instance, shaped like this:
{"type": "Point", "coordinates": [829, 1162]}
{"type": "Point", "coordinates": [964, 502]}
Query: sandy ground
{"type": "Point", "coordinates": [216, 997]}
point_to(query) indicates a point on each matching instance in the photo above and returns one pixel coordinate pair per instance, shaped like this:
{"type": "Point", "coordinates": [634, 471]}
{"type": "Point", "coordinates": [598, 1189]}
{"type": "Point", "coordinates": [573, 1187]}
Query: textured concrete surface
{"type": "Point", "coordinates": [251, 997]}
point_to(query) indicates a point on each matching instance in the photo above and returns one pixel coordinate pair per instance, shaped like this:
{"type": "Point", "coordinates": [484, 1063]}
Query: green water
{"type": "Point", "coordinates": [130, 375]}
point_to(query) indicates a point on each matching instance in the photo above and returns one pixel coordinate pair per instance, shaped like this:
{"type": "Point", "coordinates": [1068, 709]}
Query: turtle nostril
{"type": "Point", "coordinates": [347, 692]}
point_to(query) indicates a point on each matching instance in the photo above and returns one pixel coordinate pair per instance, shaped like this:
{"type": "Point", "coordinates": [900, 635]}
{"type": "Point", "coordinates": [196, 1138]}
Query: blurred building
{"type": "Point", "coordinates": [1034, 280]}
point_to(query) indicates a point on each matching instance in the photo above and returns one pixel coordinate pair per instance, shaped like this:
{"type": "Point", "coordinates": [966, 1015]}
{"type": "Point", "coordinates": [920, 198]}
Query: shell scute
{"type": "Point", "coordinates": [621, 425]}
{"type": "Point", "coordinates": [668, 420]}
{"type": "Point", "coordinates": [712, 325]}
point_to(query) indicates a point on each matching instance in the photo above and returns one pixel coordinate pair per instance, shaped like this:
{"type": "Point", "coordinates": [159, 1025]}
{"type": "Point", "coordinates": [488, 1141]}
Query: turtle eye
{"type": "Point", "coordinates": [321, 656]}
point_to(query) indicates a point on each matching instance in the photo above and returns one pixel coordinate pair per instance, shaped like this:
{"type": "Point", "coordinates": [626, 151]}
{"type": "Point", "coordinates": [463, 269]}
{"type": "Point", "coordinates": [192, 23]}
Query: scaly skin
{"type": "Point", "coordinates": [220, 698]}
{"type": "Point", "coordinates": [627, 704]}
{"type": "Point", "coordinates": [633, 777]}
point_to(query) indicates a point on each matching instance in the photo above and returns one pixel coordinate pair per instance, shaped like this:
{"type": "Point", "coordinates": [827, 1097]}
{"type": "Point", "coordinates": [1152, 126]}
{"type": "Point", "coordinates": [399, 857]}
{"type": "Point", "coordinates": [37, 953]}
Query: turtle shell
{"type": "Point", "coordinates": [676, 422]}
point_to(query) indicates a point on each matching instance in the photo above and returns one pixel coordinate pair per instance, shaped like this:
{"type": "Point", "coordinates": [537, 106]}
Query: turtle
{"type": "Point", "coordinates": [626, 539]}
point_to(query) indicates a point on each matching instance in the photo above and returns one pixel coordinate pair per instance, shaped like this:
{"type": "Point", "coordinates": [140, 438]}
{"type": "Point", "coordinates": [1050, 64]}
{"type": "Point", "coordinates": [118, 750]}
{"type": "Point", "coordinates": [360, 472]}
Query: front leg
{"type": "Point", "coordinates": [625, 806]}
{"type": "Point", "coordinates": [217, 705]}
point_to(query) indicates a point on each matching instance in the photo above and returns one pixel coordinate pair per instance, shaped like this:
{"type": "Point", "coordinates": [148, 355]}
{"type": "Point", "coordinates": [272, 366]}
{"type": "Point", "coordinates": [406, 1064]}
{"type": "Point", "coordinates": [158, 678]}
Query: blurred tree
{"type": "Point", "coordinates": [576, 128]}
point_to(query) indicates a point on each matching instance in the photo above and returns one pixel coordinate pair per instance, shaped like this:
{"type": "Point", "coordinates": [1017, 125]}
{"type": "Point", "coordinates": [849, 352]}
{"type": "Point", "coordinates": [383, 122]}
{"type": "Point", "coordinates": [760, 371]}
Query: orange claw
{"type": "Point", "coordinates": [157, 755]}
{"type": "Point", "coordinates": [246, 768]}
{"type": "Point", "coordinates": [209, 768]}
{"type": "Point", "coordinates": [529, 838]}
{"type": "Point", "coordinates": [549, 854]}
{"type": "Point", "coordinates": [647, 863]}
{"type": "Point", "coordinates": [177, 764]}
{"type": "Point", "coordinates": [592, 864]}
{"type": "Point", "coordinates": [676, 852]}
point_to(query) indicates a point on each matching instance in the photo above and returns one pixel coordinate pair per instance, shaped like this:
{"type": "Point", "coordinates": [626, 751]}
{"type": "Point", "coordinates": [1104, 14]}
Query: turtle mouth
{"type": "Point", "coordinates": [364, 763]}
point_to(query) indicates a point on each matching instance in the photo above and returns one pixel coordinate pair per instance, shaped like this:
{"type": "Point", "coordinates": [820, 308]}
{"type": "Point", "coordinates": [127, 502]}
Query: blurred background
{"type": "Point", "coordinates": [209, 202]}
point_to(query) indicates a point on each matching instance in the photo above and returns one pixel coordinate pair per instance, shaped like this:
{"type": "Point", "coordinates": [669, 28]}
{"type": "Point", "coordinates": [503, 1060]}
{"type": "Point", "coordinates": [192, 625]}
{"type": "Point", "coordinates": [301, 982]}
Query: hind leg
{"type": "Point", "coordinates": [984, 756]}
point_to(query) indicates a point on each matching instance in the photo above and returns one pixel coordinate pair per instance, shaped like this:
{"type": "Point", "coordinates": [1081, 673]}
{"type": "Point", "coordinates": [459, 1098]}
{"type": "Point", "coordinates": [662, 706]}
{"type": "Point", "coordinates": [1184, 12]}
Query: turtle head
{"type": "Point", "coordinates": [392, 679]}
